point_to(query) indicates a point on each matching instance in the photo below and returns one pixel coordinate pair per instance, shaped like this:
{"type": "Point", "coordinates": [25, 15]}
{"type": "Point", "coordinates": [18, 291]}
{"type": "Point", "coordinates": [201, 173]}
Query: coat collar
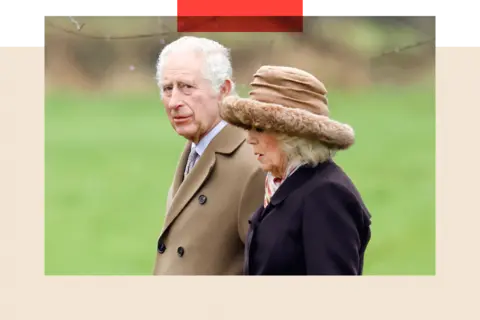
{"type": "Point", "coordinates": [297, 179]}
{"type": "Point", "coordinates": [226, 142]}
{"type": "Point", "coordinates": [205, 141]}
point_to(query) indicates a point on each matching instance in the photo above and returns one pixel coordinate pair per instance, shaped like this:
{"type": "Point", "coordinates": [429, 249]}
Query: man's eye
{"type": "Point", "coordinates": [184, 85]}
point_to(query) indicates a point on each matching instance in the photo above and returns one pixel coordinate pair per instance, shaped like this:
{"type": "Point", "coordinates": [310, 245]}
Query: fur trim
{"type": "Point", "coordinates": [248, 113]}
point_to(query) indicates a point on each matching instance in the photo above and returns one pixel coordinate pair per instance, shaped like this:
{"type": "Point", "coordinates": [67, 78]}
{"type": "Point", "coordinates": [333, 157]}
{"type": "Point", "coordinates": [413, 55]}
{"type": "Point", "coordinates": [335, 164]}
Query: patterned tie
{"type": "Point", "coordinates": [192, 157]}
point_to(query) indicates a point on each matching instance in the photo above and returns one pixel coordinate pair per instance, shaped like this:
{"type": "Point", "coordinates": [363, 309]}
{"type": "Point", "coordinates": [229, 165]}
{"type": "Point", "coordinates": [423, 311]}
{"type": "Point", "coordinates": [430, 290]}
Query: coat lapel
{"type": "Point", "coordinates": [178, 177]}
{"type": "Point", "coordinates": [225, 142]}
{"type": "Point", "coordinates": [253, 221]}
{"type": "Point", "coordinates": [190, 185]}
{"type": "Point", "coordinates": [292, 183]}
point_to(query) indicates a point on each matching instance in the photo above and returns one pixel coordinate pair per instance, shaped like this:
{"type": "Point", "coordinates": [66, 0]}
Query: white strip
{"type": "Point", "coordinates": [460, 42]}
{"type": "Point", "coordinates": [372, 12]}
{"type": "Point", "coordinates": [311, 12]}
{"type": "Point", "coordinates": [79, 12]}
{"type": "Point", "coordinates": [19, 42]}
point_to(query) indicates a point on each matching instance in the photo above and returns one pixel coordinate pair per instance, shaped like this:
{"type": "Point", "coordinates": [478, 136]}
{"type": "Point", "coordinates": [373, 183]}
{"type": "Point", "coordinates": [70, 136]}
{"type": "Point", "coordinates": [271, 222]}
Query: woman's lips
{"type": "Point", "coordinates": [259, 155]}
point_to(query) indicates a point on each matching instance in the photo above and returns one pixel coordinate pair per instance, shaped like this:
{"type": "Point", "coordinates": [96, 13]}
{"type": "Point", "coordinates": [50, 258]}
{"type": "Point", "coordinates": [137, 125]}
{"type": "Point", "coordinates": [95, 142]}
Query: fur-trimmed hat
{"type": "Point", "coordinates": [287, 100]}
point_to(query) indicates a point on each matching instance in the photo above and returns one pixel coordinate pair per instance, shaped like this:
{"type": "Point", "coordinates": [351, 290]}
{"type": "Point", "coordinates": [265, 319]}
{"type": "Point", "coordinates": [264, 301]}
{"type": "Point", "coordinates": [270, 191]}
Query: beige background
{"type": "Point", "coordinates": [25, 293]}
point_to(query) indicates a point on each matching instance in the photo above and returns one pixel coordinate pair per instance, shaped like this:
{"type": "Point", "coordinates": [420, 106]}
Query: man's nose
{"type": "Point", "coordinates": [175, 100]}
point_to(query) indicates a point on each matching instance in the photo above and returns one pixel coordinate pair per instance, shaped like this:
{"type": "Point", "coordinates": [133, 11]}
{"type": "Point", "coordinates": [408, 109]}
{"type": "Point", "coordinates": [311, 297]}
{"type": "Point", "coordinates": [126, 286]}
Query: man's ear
{"type": "Point", "coordinates": [225, 88]}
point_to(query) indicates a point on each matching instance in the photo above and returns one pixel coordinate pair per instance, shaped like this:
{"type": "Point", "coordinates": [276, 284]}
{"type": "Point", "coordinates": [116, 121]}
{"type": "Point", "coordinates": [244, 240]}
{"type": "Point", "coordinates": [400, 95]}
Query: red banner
{"type": "Point", "coordinates": [243, 8]}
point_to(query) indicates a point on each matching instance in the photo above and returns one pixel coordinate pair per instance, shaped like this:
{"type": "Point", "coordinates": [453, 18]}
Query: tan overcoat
{"type": "Point", "coordinates": [207, 214]}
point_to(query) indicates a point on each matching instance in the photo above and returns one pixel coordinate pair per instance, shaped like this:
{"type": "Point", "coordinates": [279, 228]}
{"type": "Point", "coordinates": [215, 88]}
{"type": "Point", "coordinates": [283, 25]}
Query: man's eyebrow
{"type": "Point", "coordinates": [186, 79]}
{"type": "Point", "coordinates": [183, 80]}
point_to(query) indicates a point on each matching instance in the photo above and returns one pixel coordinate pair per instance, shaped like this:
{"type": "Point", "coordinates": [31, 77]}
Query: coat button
{"type": "Point", "coordinates": [161, 247]}
{"type": "Point", "coordinates": [202, 199]}
{"type": "Point", "coordinates": [180, 251]}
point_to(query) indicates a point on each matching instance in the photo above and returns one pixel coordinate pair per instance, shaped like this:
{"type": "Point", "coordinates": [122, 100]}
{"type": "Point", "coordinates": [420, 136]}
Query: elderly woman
{"type": "Point", "coordinates": [313, 221]}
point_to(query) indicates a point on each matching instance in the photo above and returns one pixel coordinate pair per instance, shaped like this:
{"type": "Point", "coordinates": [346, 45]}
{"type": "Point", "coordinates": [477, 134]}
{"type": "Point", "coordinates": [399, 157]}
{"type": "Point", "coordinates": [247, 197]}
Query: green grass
{"type": "Point", "coordinates": [109, 160]}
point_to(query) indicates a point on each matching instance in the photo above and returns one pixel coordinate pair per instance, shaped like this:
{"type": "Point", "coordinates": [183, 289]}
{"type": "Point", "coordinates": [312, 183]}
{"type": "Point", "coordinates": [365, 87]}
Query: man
{"type": "Point", "coordinates": [217, 184]}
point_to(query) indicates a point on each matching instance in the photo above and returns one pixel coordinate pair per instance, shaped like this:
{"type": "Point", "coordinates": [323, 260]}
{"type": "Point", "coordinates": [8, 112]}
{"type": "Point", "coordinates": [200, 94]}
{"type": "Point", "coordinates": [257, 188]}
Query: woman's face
{"type": "Point", "coordinates": [266, 148]}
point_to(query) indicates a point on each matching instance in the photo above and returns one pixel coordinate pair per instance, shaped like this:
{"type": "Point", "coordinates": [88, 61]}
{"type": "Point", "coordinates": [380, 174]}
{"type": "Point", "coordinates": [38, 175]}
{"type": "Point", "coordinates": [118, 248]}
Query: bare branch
{"type": "Point", "coordinates": [80, 26]}
{"type": "Point", "coordinates": [84, 35]}
{"type": "Point", "coordinates": [403, 48]}
{"type": "Point", "coordinates": [76, 23]}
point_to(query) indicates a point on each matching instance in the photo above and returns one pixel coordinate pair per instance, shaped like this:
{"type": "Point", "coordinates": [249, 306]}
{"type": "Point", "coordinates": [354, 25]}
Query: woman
{"type": "Point", "coordinates": [313, 221]}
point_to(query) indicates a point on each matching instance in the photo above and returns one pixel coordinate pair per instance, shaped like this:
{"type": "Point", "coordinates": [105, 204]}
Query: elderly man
{"type": "Point", "coordinates": [218, 183]}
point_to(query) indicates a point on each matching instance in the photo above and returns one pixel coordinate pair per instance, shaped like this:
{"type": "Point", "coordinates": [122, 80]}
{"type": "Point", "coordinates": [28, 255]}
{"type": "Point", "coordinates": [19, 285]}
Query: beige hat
{"type": "Point", "coordinates": [291, 101]}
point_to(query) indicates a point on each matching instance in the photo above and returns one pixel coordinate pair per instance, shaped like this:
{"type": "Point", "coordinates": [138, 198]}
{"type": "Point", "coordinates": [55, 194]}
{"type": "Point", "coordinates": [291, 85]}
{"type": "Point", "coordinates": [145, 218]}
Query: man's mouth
{"type": "Point", "coordinates": [181, 119]}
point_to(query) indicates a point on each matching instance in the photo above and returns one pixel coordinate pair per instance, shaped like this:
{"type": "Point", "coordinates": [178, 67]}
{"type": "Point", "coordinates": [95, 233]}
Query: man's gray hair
{"type": "Point", "coordinates": [301, 150]}
{"type": "Point", "coordinates": [217, 68]}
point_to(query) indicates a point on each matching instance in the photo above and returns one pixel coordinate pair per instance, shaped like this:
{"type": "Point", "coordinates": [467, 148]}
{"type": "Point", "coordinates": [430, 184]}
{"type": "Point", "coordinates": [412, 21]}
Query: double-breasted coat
{"type": "Point", "coordinates": [315, 224]}
{"type": "Point", "coordinates": [207, 214]}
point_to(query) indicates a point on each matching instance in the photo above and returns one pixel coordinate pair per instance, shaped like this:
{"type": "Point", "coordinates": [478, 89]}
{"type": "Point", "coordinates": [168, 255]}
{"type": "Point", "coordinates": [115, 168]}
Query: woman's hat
{"type": "Point", "coordinates": [290, 101]}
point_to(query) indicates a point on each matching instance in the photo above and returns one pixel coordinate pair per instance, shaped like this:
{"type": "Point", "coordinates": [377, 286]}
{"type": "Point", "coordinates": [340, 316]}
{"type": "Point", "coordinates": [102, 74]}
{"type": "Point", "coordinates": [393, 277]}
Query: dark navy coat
{"type": "Point", "coordinates": [315, 224]}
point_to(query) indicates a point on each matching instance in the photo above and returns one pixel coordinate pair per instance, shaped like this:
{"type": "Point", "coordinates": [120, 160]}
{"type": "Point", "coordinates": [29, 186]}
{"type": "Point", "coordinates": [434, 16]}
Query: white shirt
{"type": "Point", "coordinates": [205, 141]}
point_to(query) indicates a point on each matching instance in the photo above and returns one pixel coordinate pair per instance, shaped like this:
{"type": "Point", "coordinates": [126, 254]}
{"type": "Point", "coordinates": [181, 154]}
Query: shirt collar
{"type": "Point", "coordinates": [205, 141]}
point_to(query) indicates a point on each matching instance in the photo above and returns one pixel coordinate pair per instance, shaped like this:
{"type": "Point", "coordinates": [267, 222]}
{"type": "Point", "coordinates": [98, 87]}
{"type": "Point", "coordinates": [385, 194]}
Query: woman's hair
{"type": "Point", "coordinates": [304, 150]}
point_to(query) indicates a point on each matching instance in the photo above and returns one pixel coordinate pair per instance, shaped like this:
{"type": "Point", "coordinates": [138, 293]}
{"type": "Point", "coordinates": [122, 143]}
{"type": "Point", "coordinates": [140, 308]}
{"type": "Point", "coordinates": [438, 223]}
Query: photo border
{"type": "Point", "coordinates": [26, 293]}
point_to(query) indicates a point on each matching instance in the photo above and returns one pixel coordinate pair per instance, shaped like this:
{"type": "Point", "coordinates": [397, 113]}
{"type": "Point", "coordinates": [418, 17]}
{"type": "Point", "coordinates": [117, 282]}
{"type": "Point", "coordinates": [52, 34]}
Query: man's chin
{"type": "Point", "coordinates": [188, 132]}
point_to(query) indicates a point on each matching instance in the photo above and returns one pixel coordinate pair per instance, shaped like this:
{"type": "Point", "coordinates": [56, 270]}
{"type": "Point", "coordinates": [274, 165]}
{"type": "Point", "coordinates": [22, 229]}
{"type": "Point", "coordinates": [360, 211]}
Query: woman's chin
{"type": "Point", "coordinates": [265, 167]}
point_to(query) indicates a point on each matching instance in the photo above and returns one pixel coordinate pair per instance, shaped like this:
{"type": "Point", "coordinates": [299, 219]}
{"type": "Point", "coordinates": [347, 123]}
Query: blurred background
{"type": "Point", "coordinates": [110, 151]}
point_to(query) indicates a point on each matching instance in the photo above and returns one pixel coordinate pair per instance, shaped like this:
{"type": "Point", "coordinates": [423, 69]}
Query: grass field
{"type": "Point", "coordinates": [109, 160]}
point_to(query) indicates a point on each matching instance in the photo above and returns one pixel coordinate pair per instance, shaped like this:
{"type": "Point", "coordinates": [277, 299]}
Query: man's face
{"type": "Point", "coordinates": [189, 99]}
